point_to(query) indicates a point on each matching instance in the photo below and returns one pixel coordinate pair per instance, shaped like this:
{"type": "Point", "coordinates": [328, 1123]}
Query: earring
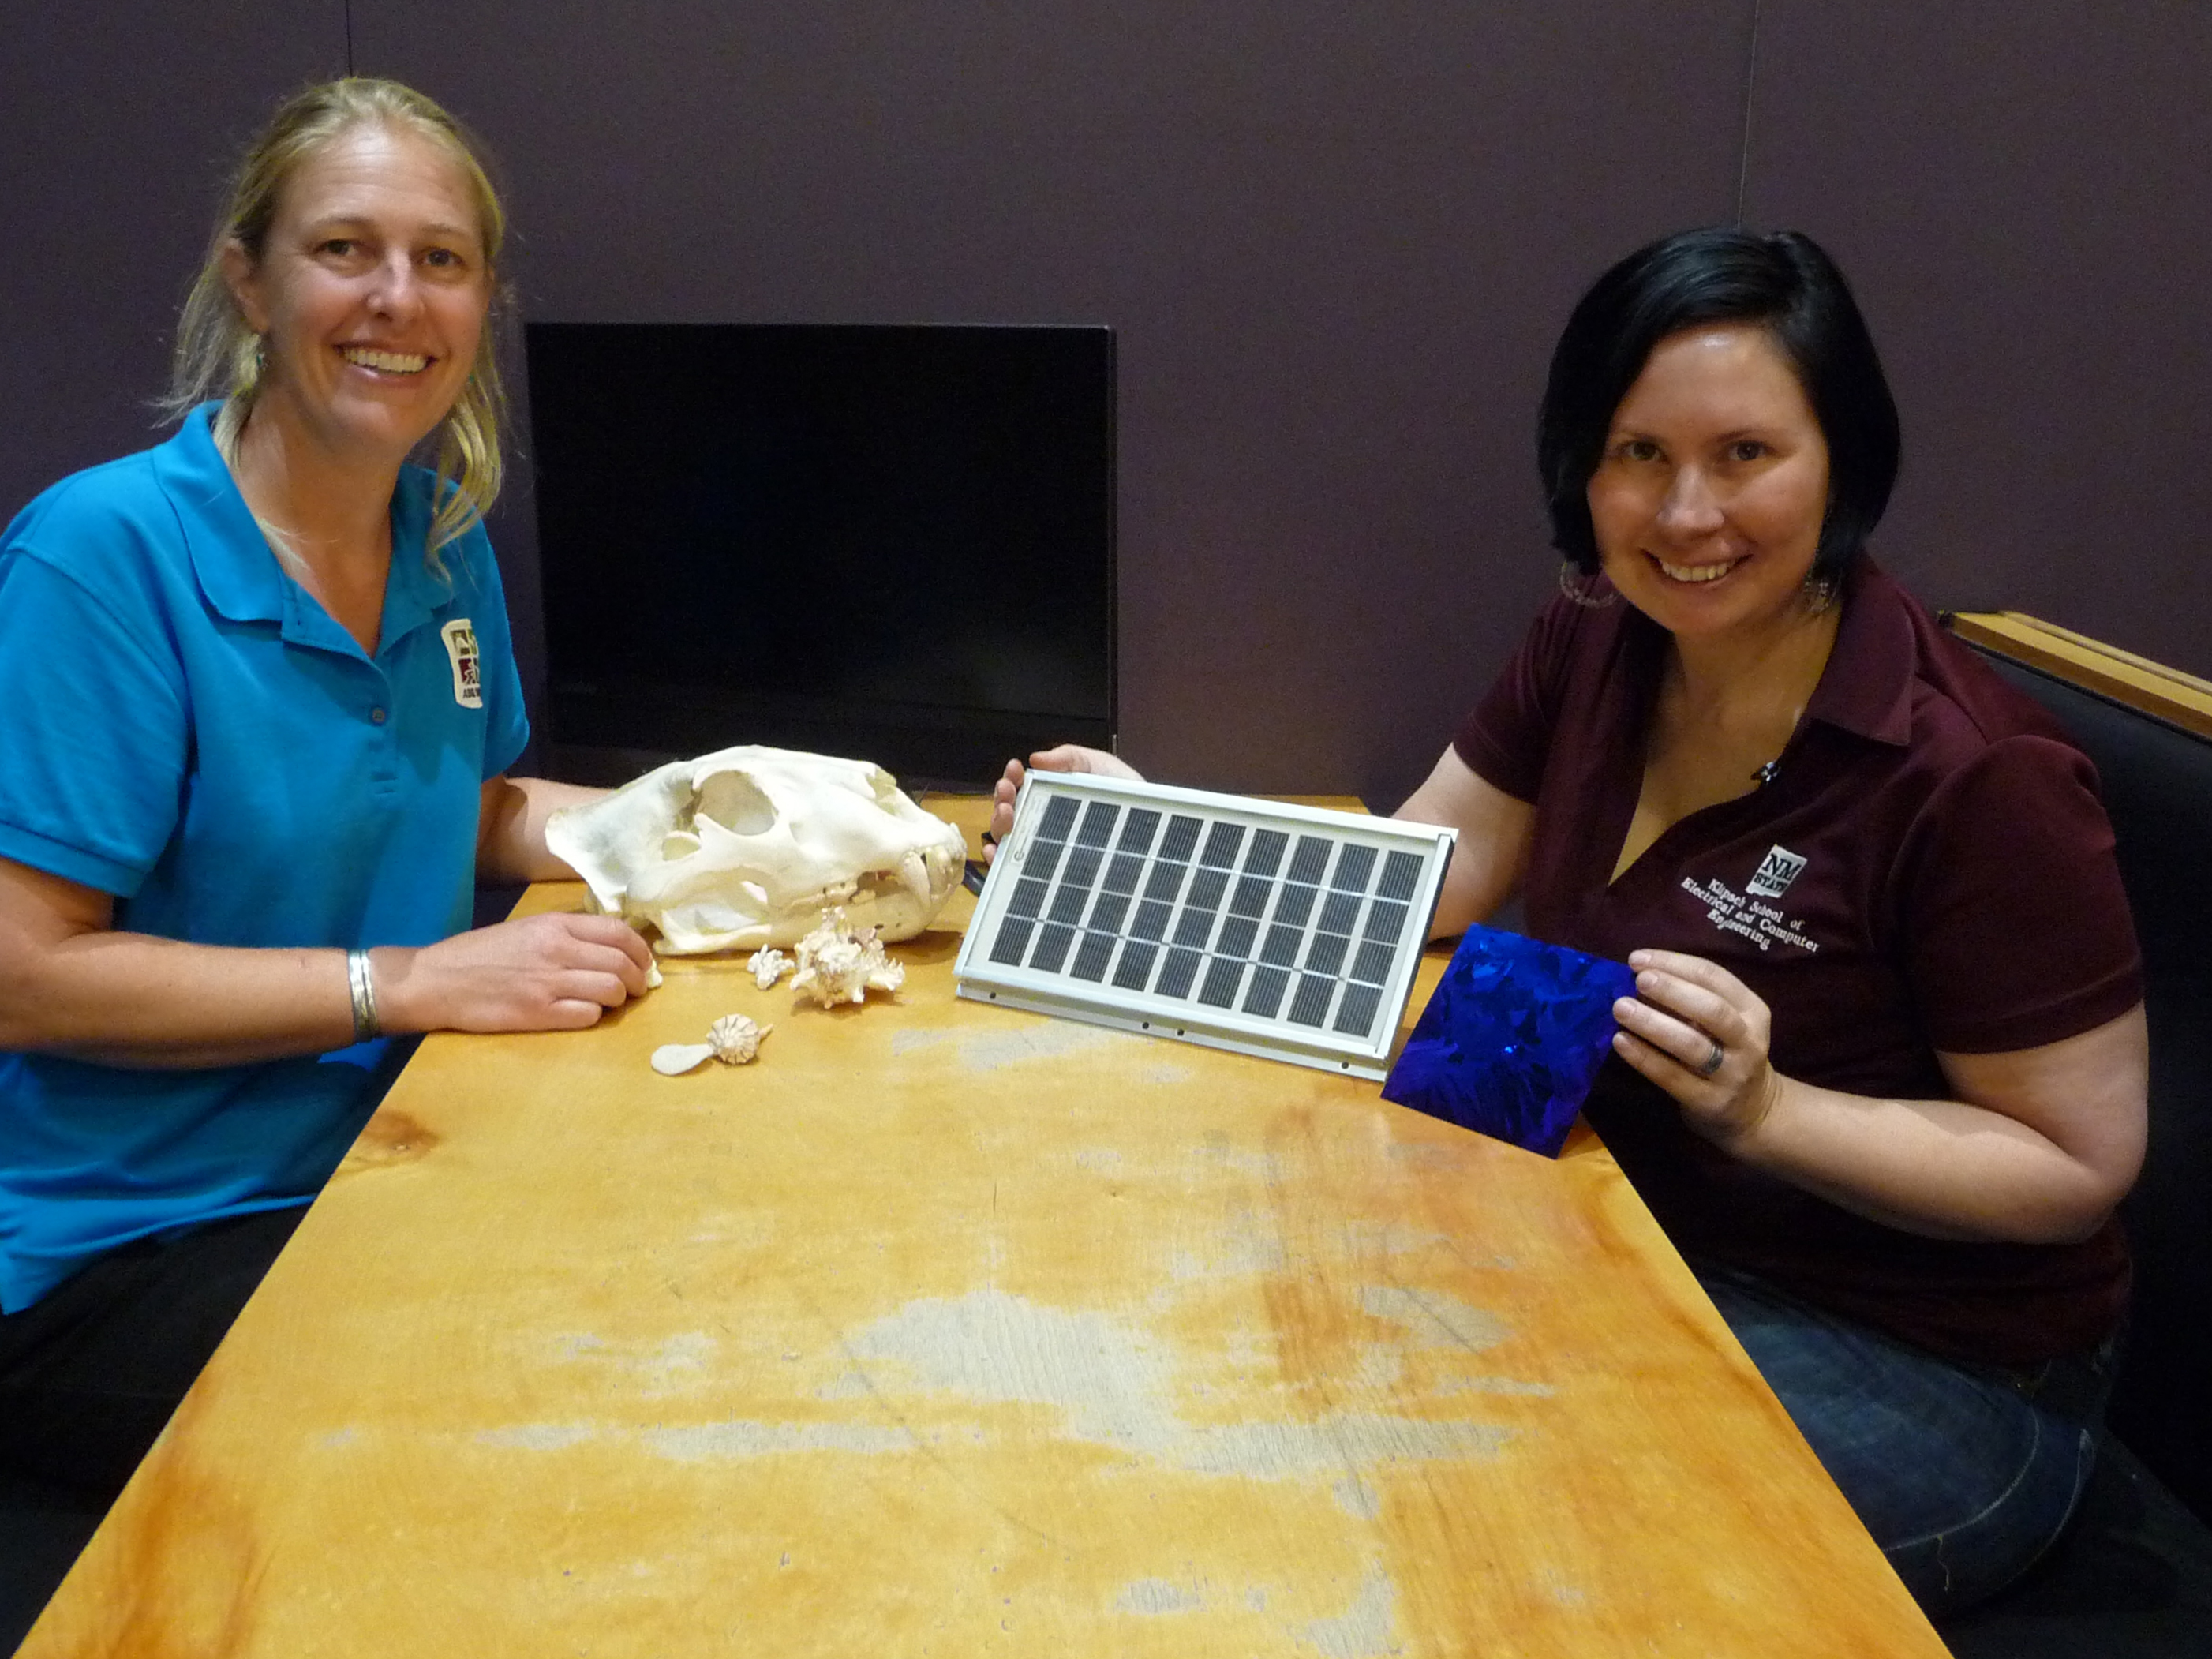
{"type": "Point", "coordinates": [1589, 590]}
{"type": "Point", "coordinates": [1819, 594]}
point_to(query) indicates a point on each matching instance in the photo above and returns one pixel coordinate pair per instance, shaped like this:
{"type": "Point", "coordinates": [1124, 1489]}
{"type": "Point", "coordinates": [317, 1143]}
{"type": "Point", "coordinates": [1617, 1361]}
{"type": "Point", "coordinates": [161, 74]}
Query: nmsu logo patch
{"type": "Point", "coordinates": [460, 637]}
{"type": "Point", "coordinates": [1776, 871]}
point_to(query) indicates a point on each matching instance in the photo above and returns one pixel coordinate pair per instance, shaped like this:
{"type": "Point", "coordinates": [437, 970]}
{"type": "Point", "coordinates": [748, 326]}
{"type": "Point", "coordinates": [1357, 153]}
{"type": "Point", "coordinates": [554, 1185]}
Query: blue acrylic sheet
{"type": "Point", "coordinates": [1512, 1039]}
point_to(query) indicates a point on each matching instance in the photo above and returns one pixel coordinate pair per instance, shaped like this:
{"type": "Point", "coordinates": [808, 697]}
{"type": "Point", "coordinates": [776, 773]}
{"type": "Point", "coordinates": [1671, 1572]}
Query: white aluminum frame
{"type": "Point", "coordinates": [976, 976]}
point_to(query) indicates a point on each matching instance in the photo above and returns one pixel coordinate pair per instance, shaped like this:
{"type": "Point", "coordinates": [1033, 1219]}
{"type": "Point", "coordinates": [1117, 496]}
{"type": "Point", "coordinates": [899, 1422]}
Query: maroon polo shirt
{"type": "Point", "coordinates": [1928, 868]}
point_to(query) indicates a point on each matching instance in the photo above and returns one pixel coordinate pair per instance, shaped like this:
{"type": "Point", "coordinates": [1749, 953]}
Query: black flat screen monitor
{"type": "Point", "coordinates": [890, 542]}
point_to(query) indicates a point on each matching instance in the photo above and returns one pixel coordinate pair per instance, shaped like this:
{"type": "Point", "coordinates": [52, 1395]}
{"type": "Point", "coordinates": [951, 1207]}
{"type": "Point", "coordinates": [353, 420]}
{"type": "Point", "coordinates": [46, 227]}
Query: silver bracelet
{"type": "Point", "coordinates": [363, 987]}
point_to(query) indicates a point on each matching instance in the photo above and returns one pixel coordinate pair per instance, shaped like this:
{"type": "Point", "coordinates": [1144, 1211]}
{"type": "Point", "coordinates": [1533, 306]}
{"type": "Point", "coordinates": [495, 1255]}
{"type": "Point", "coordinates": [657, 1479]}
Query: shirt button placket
{"type": "Point", "coordinates": [384, 767]}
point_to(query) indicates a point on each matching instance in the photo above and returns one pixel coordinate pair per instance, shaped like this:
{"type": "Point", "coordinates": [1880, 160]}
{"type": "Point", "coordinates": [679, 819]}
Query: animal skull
{"type": "Point", "coordinates": [748, 847]}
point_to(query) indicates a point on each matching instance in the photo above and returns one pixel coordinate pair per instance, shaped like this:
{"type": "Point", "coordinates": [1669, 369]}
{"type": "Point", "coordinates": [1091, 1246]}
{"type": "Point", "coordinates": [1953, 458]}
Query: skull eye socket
{"type": "Point", "coordinates": [735, 802]}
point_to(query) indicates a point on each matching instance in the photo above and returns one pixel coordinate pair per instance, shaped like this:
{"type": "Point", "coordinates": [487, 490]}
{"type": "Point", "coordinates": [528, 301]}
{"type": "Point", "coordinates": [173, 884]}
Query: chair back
{"type": "Point", "coordinates": [2149, 732]}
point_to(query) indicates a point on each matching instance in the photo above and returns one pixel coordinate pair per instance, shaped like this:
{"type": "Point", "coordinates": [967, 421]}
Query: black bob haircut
{"type": "Point", "coordinates": [1784, 284]}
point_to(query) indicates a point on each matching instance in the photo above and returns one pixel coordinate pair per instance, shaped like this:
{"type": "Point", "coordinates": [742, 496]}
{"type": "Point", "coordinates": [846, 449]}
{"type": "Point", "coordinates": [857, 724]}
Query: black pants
{"type": "Point", "coordinates": [89, 1374]}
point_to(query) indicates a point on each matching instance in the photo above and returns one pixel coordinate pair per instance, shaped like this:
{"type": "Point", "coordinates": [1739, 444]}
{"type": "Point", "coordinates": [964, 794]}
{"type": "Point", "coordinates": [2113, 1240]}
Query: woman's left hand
{"type": "Point", "coordinates": [1699, 1033]}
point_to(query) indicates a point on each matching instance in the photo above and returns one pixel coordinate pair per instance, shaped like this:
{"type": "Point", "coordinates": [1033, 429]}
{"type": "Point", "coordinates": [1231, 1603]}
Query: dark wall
{"type": "Point", "coordinates": [118, 125]}
{"type": "Point", "coordinates": [1336, 242]}
{"type": "Point", "coordinates": [2019, 193]}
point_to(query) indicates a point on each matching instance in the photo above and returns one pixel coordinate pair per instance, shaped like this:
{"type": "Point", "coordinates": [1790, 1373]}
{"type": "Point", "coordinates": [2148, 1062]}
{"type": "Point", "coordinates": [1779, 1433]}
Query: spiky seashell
{"type": "Point", "coordinates": [767, 965]}
{"type": "Point", "coordinates": [737, 1039]}
{"type": "Point", "coordinates": [839, 963]}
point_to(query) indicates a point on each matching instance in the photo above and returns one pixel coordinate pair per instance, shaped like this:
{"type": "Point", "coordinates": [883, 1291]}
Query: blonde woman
{"type": "Point", "coordinates": [257, 701]}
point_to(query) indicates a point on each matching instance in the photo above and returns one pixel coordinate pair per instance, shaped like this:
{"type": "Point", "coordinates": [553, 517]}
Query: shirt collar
{"type": "Point", "coordinates": [239, 574]}
{"type": "Point", "coordinates": [1867, 686]}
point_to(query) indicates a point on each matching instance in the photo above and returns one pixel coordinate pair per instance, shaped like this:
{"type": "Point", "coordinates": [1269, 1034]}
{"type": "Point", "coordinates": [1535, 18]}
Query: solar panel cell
{"type": "Point", "coordinates": [1067, 904]}
{"type": "Point", "coordinates": [1385, 922]}
{"type": "Point", "coordinates": [1059, 817]}
{"type": "Point", "coordinates": [1082, 867]}
{"type": "Point", "coordinates": [1052, 948]}
{"type": "Point", "coordinates": [1372, 965]}
{"type": "Point", "coordinates": [1282, 947]}
{"type": "Point", "coordinates": [1139, 828]}
{"type": "Point", "coordinates": [1337, 913]}
{"type": "Point", "coordinates": [1013, 938]}
{"type": "Point", "coordinates": [1165, 880]}
{"type": "Point", "coordinates": [1236, 935]}
{"type": "Point", "coordinates": [1326, 954]}
{"type": "Point", "coordinates": [1309, 861]}
{"type": "Point", "coordinates": [1135, 966]}
{"type": "Point", "coordinates": [1357, 1013]}
{"type": "Point", "coordinates": [1152, 922]}
{"type": "Point", "coordinates": [1192, 927]}
{"type": "Point", "coordinates": [1401, 871]}
{"type": "Point", "coordinates": [1221, 844]}
{"type": "Point", "coordinates": [1251, 898]}
{"type": "Point", "coordinates": [1354, 867]}
{"type": "Point", "coordinates": [1098, 823]}
{"type": "Point", "coordinates": [1091, 956]}
{"type": "Point", "coordinates": [1266, 854]}
{"type": "Point", "coordinates": [1265, 994]}
{"type": "Point", "coordinates": [1121, 874]}
{"type": "Point", "coordinates": [1182, 836]}
{"type": "Point", "coordinates": [1295, 906]}
{"type": "Point", "coordinates": [1220, 988]}
{"type": "Point", "coordinates": [1106, 914]}
{"type": "Point", "coordinates": [1206, 888]}
{"type": "Point", "coordinates": [1028, 900]}
{"type": "Point", "coordinates": [1044, 859]}
{"type": "Point", "coordinates": [1309, 1006]}
{"type": "Point", "coordinates": [1177, 972]}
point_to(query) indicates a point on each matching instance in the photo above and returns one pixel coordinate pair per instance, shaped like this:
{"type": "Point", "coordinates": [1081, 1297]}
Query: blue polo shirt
{"type": "Point", "coordinates": [183, 726]}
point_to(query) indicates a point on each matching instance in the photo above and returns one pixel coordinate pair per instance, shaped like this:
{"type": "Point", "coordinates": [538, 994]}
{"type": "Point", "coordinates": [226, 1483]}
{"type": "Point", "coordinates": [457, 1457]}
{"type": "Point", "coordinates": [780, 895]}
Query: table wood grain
{"type": "Point", "coordinates": [947, 1329]}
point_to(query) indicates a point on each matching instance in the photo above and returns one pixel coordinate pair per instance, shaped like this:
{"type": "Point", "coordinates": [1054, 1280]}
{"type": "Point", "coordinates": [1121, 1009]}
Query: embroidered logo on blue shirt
{"type": "Point", "coordinates": [460, 637]}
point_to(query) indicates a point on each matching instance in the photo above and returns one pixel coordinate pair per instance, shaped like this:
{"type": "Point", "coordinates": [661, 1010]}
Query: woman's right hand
{"type": "Point", "coordinates": [1067, 758]}
{"type": "Point", "coordinates": [557, 972]}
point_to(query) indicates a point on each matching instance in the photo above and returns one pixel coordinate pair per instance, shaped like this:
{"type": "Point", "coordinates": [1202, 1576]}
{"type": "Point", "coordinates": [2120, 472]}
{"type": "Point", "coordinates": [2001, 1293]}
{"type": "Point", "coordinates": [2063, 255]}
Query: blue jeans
{"type": "Point", "coordinates": [1965, 1475]}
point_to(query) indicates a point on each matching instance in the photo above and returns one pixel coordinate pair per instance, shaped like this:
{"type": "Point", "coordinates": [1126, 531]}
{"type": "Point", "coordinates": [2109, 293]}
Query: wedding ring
{"type": "Point", "coordinates": [1713, 1061]}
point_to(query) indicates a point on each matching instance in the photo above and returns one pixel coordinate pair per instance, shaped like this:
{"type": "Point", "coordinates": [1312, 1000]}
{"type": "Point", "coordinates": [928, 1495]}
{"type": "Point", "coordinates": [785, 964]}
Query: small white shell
{"type": "Point", "coordinates": [767, 965]}
{"type": "Point", "coordinates": [674, 1059]}
{"type": "Point", "coordinates": [736, 1039]}
{"type": "Point", "coordinates": [652, 974]}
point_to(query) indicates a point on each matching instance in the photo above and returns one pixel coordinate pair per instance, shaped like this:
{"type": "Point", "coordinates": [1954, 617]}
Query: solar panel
{"type": "Point", "coordinates": [1289, 932]}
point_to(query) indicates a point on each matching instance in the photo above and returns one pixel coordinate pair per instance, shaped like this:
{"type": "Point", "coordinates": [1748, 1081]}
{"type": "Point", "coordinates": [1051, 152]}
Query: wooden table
{"type": "Point", "coordinates": [949, 1329]}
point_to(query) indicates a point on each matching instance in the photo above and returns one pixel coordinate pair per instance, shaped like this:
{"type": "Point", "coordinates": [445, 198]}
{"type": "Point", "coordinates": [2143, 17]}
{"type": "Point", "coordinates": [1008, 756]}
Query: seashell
{"type": "Point", "coordinates": [767, 965]}
{"type": "Point", "coordinates": [674, 1059]}
{"type": "Point", "coordinates": [840, 963]}
{"type": "Point", "coordinates": [736, 1039]}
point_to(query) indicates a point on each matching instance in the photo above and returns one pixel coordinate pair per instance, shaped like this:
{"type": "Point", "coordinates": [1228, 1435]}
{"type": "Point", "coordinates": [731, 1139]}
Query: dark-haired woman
{"type": "Point", "coordinates": [1883, 1081]}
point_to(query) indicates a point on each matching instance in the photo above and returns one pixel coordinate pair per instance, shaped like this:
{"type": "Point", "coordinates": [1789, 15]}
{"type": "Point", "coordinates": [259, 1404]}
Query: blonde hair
{"type": "Point", "coordinates": [218, 355]}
